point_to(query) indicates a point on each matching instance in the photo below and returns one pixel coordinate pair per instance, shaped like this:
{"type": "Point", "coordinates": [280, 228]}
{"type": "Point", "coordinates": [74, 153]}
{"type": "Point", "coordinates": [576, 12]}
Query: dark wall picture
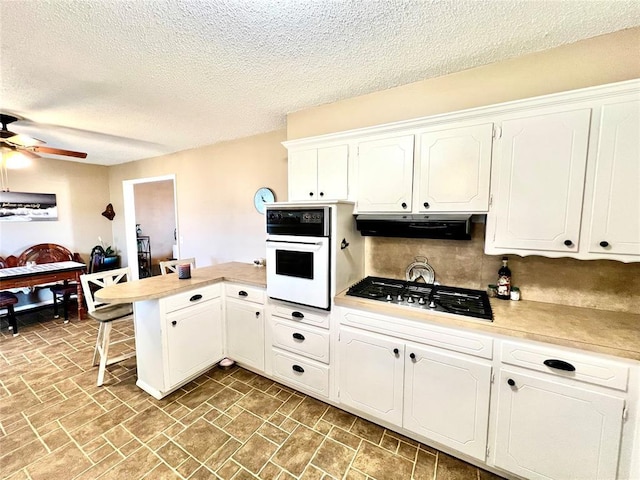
{"type": "Point", "coordinates": [26, 207]}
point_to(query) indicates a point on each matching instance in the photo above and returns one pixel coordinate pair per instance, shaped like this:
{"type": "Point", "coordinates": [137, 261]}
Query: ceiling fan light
{"type": "Point", "coordinates": [14, 160]}
{"type": "Point", "coordinates": [24, 140]}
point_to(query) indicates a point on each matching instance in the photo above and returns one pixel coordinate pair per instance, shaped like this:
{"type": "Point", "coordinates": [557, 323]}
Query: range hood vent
{"type": "Point", "coordinates": [449, 227]}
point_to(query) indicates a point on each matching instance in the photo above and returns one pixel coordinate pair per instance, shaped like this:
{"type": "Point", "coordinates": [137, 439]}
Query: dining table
{"type": "Point", "coordinates": [44, 274]}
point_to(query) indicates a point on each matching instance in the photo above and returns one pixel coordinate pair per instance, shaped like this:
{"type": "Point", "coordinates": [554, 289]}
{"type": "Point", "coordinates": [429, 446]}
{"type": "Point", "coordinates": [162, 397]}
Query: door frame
{"type": "Point", "coordinates": [128, 190]}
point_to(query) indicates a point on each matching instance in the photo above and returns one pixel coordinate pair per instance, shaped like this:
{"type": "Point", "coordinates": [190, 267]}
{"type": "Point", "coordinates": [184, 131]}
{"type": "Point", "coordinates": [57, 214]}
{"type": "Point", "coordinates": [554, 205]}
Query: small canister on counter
{"type": "Point", "coordinates": [184, 271]}
{"type": "Point", "coordinates": [492, 291]}
{"type": "Point", "coordinates": [515, 293]}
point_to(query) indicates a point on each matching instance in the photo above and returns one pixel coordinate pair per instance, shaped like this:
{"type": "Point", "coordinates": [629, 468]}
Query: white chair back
{"type": "Point", "coordinates": [171, 266]}
{"type": "Point", "coordinates": [100, 280]}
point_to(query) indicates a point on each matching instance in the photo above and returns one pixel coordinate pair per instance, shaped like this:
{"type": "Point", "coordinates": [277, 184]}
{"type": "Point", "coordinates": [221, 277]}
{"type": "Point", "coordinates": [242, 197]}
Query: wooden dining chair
{"type": "Point", "coordinates": [106, 314]}
{"type": "Point", "coordinates": [171, 266]}
{"type": "Point", "coordinates": [7, 301]}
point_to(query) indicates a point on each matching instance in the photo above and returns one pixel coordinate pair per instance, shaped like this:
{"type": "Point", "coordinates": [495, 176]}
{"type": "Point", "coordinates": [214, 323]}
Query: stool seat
{"type": "Point", "coordinates": [8, 300]}
{"type": "Point", "coordinates": [112, 312]}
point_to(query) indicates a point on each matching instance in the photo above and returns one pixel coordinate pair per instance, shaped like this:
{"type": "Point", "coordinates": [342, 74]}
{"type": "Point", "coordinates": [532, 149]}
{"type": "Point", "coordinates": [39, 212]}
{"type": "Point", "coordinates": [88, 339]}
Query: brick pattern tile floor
{"type": "Point", "coordinates": [227, 424]}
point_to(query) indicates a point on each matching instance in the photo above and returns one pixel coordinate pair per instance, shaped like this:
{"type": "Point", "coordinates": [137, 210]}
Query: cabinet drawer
{"type": "Point", "coordinates": [588, 368]}
{"type": "Point", "coordinates": [244, 292]}
{"type": "Point", "coordinates": [191, 297]}
{"type": "Point", "coordinates": [301, 315]}
{"type": "Point", "coordinates": [305, 373]}
{"type": "Point", "coordinates": [307, 341]}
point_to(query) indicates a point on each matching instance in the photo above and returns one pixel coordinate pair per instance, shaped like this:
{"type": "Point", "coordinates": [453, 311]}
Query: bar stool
{"type": "Point", "coordinates": [8, 300]}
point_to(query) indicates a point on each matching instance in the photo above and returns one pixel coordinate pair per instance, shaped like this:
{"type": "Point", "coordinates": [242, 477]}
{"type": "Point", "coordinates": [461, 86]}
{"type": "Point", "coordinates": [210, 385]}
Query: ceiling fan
{"type": "Point", "coordinates": [28, 145]}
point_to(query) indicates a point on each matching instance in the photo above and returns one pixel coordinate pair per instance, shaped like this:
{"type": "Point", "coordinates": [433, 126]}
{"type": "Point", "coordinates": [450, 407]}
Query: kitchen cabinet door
{"type": "Point", "coordinates": [539, 183]}
{"type": "Point", "coordinates": [194, 339]}
{"type": "Point", "coordinates": [303, 175]}
{"type": "Point", "coordinates": [371, 373]}
{"type": "Point", "coordinates": [547, 430]}
{"type": "Point", "coordinates": [615, 222]}
{"type": "Point", "coordinates": [319, 173]}
{"type": "Point", "coordinates": [384, 175]}
{"type": "Point", "coordinates": [245, 333]}
{"type": "Point", "coordinates": [446, 398]}
{"type": "Point", "coordinates": [454, 170]}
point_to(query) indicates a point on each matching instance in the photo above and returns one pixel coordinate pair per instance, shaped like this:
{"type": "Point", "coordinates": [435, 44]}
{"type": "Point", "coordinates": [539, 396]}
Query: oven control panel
{"type": "Point", "coordinates": [298, 221]}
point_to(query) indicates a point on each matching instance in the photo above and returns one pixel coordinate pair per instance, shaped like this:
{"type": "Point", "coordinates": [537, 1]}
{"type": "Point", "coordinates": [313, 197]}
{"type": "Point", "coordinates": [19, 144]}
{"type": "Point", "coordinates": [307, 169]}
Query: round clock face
{"type": "Point", "coordinates": [262, 196]}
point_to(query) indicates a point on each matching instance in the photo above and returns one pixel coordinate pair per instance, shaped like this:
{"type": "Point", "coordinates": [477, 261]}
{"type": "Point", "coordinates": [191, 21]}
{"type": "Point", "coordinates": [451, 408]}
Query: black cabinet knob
{"type": "Point", "coordinates": [298, 368]}
{"type": "Point", "coordinates": [604, 244]}
{"type": "Point", "coordinates": [174, 323]}
{"type": "Point", "coordinates": [298, 336]}
{"type": "Point", "coordinates": [426, 204]}
{"type": "Point", "coordinates": [511, 382]}
{"type": "Point", "coordinates": [396, 351]}
{"type": "Point", "coordinates": [568, 243]}
{"type": "Point", "coordinates": [311, 194]}
{"type": "Point", "coordinates": [322, 194]}
{"type": "Point", "coordinates": [257, 314]}
{"type": "Point", "coordinates": [242, 293]}
{"type": "Point", "coordinates": [413, 356]}
{"type": "Point", "coordinates": [404, 205]}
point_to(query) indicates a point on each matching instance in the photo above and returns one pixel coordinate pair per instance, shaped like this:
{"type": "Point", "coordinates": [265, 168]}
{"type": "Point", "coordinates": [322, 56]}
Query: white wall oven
{"type": "Point", "coordinates": [298, 255]}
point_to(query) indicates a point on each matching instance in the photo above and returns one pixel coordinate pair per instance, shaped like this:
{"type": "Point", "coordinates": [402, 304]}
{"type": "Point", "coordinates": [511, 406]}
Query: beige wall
{"type": "Point", "coordinates": [599, 60]}
{"type": "Point", "coordinates": [82, 193]}
{"type": "Point", "coordinates": [214, 187]}
{"type": "Point", "coordinates": [595, 61]}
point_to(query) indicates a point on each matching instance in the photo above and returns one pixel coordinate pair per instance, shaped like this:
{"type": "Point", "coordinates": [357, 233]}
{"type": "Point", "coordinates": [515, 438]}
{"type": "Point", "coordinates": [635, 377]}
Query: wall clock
{"type": "Point", "coordinates": [263, 195]}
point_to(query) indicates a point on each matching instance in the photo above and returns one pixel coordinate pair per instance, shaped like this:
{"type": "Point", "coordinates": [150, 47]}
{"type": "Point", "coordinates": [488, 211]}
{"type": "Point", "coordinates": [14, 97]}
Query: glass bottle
{"type": "Point", "coordinates": [504, 281]}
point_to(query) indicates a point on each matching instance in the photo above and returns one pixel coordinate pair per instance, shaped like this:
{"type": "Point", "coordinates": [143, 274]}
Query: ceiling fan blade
{"type": "Point", "coordinates": [57, 151]}
{"type": "Point", "coordinates": [23, 140]}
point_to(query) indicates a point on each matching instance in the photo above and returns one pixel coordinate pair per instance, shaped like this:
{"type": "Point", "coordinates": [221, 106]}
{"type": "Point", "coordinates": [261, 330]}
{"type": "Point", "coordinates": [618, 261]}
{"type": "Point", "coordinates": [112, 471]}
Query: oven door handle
{"type": "Point", "coordinates": [294, 246]}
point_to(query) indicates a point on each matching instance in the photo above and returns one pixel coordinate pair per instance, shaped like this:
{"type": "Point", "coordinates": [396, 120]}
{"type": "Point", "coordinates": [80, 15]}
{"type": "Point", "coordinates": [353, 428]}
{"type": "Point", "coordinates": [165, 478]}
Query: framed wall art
{"type": "Point", "coordinates": [27, 207]}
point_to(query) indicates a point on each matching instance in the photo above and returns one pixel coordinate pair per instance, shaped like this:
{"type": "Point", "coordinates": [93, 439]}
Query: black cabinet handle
{"type": "Point", "coordinates": [404, 205]}
{"type": "Point", "coordinates": [396, 351]}
{"type": "Point", "coordinates": [322, 194]}
{"type": "Point", "coordinates": [297, 315]}
{"type": "Point", "coordinates": [426, 204]}
{"type": "Point", "coordinates": [604, 244]}
{"type": "Point", "coordinates": [298, 368]}
{"type": "Point", "coordinates": [511, 382]}
{"type": "Point", "coordinates": [412, 356]}
{"type": "Point", "coordinates": [568, 243]}
{"type": "Point", "coordinates": [195, 298]}
{"type": "Point", "coordinates": [298, 336]}
{"type": "Point", "coordinates": [242, 293]}
{"type": "Point", "coordinates": [559, 365]}
{"type": "Point", "coordinates": [174, 323]}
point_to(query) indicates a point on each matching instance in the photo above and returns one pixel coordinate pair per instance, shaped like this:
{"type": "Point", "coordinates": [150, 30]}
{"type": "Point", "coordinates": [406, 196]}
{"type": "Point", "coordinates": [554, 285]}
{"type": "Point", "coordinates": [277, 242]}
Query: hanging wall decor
{"type": "Point", "coordinates": [26, 207]}
{"type": "Point", "coordinates": [108, 212]}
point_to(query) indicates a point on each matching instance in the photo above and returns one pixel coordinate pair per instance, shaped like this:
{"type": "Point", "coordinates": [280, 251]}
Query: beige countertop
{"type": "Point", "coordinates": [164, 285]}
{"type": "Point", "coordinates": [601, 331]}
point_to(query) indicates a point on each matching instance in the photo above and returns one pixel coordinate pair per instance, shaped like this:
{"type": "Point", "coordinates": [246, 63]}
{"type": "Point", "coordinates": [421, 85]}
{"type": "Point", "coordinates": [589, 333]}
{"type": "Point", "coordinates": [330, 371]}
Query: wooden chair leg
{"type": "Point", "coordinates": [104, 352]}
{"type": "Point", "coordinates": [55, 306]}
{"type": "Point", "coordinates": [13, 321]}
{"type": "Point", "coordinates": [65, 306]}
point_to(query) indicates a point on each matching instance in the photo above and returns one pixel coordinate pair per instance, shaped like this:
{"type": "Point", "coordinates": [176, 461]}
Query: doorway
{"type": "Point", "coordinates": [151, 223]}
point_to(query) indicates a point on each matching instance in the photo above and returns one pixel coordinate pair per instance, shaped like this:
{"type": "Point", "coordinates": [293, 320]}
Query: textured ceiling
{"type": "Point", "coordinates": [125, 80]}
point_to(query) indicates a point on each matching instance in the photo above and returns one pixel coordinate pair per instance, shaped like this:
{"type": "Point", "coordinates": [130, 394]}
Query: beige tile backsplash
{"type": "Point", "coordinates": [600, 284]}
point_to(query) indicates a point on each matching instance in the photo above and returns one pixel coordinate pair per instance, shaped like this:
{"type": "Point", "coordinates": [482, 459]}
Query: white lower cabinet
{"type": "Point", "coordinates": [440, 395]}
{"type": "Point", "coordinates": [446, 398]}
{"type": "Point", "coordinates": [194, 339]}
{"type": "Point", "coordinates": [244, 324]}
{"type": "Point", "coordinates": [177, 338]}
{"type": "Point", "coordinates": [551, 430]}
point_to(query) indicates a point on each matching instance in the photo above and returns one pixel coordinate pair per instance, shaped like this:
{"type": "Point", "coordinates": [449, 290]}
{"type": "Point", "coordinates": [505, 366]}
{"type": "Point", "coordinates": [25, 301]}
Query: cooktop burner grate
{"type": "Point", "coordinates": [429, 297]}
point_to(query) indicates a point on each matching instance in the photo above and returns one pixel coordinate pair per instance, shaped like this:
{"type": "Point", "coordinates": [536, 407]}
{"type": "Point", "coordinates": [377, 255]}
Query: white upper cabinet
{"type": "Point", "coordinates": [615, 221]}
{"type": "Point", "coordinates": [319, 173]}
{"type": "Point", "coordinates": [454, 169]}
{"type": "Point", "coordinates": [538, 182]}
{"type": "Point", "coordinates": [384, 175]}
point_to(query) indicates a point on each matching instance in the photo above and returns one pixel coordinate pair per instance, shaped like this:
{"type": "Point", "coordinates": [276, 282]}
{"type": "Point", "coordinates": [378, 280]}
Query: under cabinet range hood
{"type": "Point", "coordinates": [443, 226]}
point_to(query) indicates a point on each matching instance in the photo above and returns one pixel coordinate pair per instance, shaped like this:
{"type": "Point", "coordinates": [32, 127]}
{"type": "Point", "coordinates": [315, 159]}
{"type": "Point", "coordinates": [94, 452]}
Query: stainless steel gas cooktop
{"type": "Point", "coordinates": [426, 296]}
